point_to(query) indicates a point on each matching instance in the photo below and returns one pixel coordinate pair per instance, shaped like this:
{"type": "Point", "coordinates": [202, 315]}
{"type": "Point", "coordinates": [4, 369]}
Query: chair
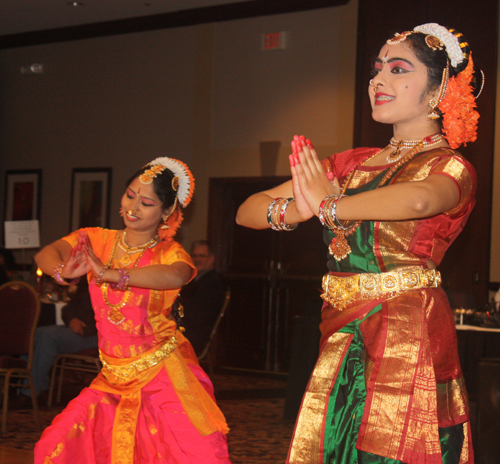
{"type": "Point", "coordinates": [82, 361]}
{"type": "Point", "coordinates": [19, 312]}
{"type": "Point", "coordinates": [211, 339]}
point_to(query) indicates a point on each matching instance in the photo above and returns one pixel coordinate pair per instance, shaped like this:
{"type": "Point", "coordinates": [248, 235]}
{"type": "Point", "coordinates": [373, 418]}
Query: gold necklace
{"type": "Point", "coordinates": [126, 259]}
{"type": "Point", "coordinates": [398, 145]}
{"type": "Point", "coordinates": [115, 315]}
{"type": "Point", "coordinates": [339, 248]}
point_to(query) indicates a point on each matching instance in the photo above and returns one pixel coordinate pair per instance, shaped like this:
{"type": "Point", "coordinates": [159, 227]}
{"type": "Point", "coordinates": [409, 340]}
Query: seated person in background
{"type": "Point", "coordinates": [497, 300]}
{"type": "Point", "coordinates": [202, 298]}
{"type": "Point", "coordinates": [8, 269]}
{"type": "Point", "coordinates": [4, 278]}
{"type": "Point", "coordinates": [78, 334]}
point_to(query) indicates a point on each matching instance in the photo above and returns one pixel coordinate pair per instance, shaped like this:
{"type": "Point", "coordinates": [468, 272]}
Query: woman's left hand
{"type": "Point", "coordinates": [310, 175]}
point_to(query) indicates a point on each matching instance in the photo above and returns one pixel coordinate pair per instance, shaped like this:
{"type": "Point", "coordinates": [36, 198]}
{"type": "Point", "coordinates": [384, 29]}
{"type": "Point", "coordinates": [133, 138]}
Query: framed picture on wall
{"type": "Point", "coordinates": [22, 194]}
{"type": "Point", "coordinates": [90, 197]}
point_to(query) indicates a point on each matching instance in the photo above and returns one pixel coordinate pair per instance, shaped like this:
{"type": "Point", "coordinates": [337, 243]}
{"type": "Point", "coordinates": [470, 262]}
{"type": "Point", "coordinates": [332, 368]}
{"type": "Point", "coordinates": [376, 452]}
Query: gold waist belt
{"type": "Point", "coordinates": [131, 370]}
{"type": "Point", "coordinates": [338, 291]}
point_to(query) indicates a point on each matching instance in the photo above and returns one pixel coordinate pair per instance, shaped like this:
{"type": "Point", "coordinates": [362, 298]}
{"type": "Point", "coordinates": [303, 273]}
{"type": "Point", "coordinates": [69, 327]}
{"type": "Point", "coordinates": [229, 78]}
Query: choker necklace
{"type": "Point", "coordinates": [398, 145]}
{"type": "Point", "coordinates": [125, 259]}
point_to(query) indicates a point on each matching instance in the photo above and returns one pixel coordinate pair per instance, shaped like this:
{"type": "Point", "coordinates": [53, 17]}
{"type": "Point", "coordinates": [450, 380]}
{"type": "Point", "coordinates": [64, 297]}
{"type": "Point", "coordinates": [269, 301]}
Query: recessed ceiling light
{"type": "Point", "coordinates": [75, 3]}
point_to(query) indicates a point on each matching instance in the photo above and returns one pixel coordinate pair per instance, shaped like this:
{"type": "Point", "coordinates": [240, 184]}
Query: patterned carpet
{"type": "Point", "coordinates": [253, 406]}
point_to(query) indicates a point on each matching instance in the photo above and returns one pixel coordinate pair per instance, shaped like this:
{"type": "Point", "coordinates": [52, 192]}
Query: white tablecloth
{"type": "Point", "coordinates": [474, 327]}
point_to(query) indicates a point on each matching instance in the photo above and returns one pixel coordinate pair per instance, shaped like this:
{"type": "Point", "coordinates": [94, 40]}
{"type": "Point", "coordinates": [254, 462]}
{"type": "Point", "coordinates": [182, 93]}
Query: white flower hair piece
{"type": "Point", "coordinates": [448, 39]}
{"type": "Point", "coordinates": [182, 172]}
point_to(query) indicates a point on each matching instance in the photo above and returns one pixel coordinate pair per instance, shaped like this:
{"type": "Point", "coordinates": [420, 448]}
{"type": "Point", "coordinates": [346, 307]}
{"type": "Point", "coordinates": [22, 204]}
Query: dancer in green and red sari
{"type": "Point", "coordinates": [387, 386]}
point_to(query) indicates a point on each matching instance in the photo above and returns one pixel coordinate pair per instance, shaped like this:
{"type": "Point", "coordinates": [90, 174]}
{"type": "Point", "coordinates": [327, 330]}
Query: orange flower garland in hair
{"type": "Point", "coordinates": [458, 108]}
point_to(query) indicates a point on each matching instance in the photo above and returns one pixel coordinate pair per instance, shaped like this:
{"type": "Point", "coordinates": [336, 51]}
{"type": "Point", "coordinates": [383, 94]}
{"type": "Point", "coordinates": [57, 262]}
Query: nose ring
{"type": "Point", "coordinates": [375, 87]}
{"type": "Point", "coordinates": [132, 212]}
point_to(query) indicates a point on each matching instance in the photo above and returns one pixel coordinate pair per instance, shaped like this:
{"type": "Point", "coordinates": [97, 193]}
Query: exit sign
{"type": "Point", "coordinates": [273, 40]}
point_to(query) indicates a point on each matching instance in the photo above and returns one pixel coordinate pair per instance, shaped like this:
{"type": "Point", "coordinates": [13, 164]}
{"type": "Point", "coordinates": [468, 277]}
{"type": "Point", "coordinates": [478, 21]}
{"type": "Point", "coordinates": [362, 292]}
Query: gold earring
{"type": "Point", "coordinates": [165, 218]}
{"type": "Point", "coordinates": [433, 114]}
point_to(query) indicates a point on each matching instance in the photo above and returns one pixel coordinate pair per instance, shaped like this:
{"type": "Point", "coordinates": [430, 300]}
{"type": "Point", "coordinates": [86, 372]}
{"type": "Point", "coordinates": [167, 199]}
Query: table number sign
{"type": "Point", "coordinates": [22, 234]}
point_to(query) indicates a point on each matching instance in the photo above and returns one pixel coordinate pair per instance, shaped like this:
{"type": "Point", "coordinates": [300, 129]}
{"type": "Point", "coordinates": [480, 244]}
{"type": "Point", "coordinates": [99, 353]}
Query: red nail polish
{"type": "Point", "coordinates": [295, 137]}
{"type": "Point", "coordinates": [309, 143]}
{"type": "Point", "coordinates": [330, 176]}
{"type": "Point", "coordinates": [297, 159]}
{"type": "Point", "coordinates": [292, 162]}
{"type": "Point", "coordinates": [302, 138]}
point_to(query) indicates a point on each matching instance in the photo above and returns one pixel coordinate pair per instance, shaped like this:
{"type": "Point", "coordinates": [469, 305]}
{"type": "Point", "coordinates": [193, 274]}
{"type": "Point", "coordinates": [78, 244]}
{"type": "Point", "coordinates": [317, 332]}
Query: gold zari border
{"type": "Point", "coordinates": [132, 370]}
{"type": "Point", "coordinates": [340, 291]}
{"type": "Point", "coordinates": [308, 436]}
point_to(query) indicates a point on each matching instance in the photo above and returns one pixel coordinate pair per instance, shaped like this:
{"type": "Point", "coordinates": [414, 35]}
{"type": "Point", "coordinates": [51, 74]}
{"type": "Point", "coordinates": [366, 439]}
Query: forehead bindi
{"type": "Point", "coordinates": [396, 55]}
{"type": "Point", "coordinates": [144, 191]}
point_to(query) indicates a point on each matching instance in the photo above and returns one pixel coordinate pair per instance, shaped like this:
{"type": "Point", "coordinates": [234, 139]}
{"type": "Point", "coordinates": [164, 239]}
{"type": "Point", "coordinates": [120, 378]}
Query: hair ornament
{"type": "Point", "coordinates": [399, 37]}
{"type": "Point", "coordinates": [458, 107]}
{"type": "Point", "coordinates": [448, 39]}
{"type": "Point", "coordinates": [147, 176]}
{"type": "Point", "coordinates": [184, 182]}
{"type": "Point", "coordinates": [433, 42]}
{"type": "Point", "coordinates": [480, 91]}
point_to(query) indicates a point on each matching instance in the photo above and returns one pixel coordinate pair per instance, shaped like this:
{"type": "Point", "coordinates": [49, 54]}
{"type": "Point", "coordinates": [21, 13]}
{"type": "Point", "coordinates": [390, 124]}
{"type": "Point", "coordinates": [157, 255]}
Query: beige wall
{"type": "Point", "coordinates": [205, 94]}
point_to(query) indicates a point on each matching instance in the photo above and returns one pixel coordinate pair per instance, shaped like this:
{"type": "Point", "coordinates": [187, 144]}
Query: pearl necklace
{"type": "Point", "coordinates": [398, 145]}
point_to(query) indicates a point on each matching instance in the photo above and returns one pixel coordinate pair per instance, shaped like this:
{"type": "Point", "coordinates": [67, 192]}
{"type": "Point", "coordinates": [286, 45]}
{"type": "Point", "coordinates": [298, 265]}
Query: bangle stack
{"type": "Point", "coordinates": [122, 284]}
{"type": "Point", "coordinates": [276, 214]}
{"type": "Point", "coordinates": [328, 212]}
{"type": "Point", "coordinates": [57, 276]}
{"type": "Point", "coordinates": [339, 247]}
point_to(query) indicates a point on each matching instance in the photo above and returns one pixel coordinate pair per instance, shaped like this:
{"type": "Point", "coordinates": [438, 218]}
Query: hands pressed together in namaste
{"type": "Point", "coordinates": [311, 183]}
{"type": "Point", "coordinates": [82, 259]}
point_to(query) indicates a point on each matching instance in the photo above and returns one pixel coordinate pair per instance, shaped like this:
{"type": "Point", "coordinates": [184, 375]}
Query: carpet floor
{"type": "Point", "coordinates": [253, 406]}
